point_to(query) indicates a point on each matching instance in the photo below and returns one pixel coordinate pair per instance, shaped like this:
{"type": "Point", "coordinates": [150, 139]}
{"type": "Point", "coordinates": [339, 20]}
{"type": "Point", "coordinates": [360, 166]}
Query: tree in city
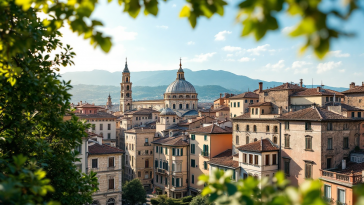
{"type": "Point", "coordinates": [200, 200]}
{"type": "Point", "coordinates": [36, 144]}
{"type": "Point", "coordinates": [133, 192]}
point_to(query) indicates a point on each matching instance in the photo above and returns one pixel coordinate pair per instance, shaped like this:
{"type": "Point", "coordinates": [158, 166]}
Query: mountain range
{"type": "Point", "coordinates": [94, 86]}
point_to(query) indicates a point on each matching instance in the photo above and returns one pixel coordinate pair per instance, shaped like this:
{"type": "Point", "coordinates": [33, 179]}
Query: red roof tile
{"type": "Point", "coordinates": [314, 114]}
{"type": "Point", "coordinates": [356, 89]}
{"type": "Point", "coordinates": [96, 115]}
{"type": "Point", "coordinates": [261, 104]}
{"type": "Point", "coordinates": [224, 159]}
{"type": "Point", "coordinates": [245, 95]}
{"type": "Point", "coordinates": [264, 145]}
{"type": "Point", "coordinates": [286, 86]}
{"type": "Point", "coordinates": [212, 129]}
{"type": "Point", "coordinates": [315, 92]}
{"type": "Point", "coordinates": [97, 149]}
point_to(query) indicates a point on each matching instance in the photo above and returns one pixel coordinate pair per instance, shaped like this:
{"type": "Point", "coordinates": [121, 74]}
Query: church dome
{"type": "Point", "coordinates": [180, 86]}
{"type": "Point", "coordinates": [167, 111]}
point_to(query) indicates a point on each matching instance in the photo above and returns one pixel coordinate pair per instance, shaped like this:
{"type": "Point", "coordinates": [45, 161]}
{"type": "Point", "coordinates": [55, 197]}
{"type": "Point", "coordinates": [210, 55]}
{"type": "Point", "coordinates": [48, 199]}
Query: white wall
{"type": "Point", "coordinates": [105, 129]}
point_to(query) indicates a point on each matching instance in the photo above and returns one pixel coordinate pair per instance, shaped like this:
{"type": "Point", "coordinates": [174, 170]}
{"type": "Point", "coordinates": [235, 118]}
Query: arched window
{"type": "Point", "coordinates": [95, 202]}
{"type": "Point", "coordinates": [193, 96]}
{"type": "Point", "coordinates": [127, 79]}
{"type": "Point", "coordinates": [127, 87]}
{"type": "Point", "coordinates": [147, 163]}
{"type": "Point", "coordinates": [174, 96]}
{"type": "Point", "coordinates": [252, 111]}
{"type": "Point", "coordinates": [181, 96]}
{"type": "Point", "coordinates": [255, 139]}
{"type": "Point", "coordinates": [267, 128]}
{"type": "Point", "coordinates": [187, 96]}
{"type": "Point", "coordinates": [127, 95]}
{"type": "Point", "coordinates": [187, 106]}
{"type": "Point", "coordinates": [237, 127]}
{"type": "Point", "coordinates": [247, 140]}
{"type": "Point", "coordinates": [174, 119]}
{"type": "Point", "coordinates": [275, 141]}
{"type": "Point", "coordinates": [237, 139]}
{"type": "Point", "coordinates": [122, 95]}
{"type": "Point", "coordinates": [275, 129]}
{"type": "Point", "coordinates": [255, 128]}
{"type": "Point", "coordinates": [174, 106]}
{"type": "Point", "coordinates": [247, 127]}
{"type": "Point", "coordinates": [169, 96]}
{"type": "Point", "coordinates": [111, 201]}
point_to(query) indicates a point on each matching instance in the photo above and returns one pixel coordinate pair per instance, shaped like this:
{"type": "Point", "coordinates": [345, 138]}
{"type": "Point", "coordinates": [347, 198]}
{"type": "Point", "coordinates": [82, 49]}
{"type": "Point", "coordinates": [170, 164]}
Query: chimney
{"type": "Point", "coordinates": [260, 86]}
{"type": "Point", "coordinates": [318, 88]}
{"type": "Point", "coordinates": [279, 110]}
{"type": "Point", "coordinates": [220, 95]}
{"type": "Point", "coordinates": [352, 85]}
{"type": "Point", "coordinates": [301, 83]}
{"type": "Point", "coordinates": [362, 83]}
{"type": "Point", "coordinates": [81, 102]}
{"type": "Point", "coordinates": [343, 164]}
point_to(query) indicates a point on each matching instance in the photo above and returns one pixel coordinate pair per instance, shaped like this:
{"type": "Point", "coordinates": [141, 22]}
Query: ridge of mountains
{"type": "Point", "coordinates": [94, 86]}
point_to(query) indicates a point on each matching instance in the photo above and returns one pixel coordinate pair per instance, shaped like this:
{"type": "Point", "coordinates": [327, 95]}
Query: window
{"type": "Point", "coordinates": [256, 159]}
{"type": "Point", "coordinates": [193, 137]}
{"type": "Point", "coordinates": [267, 160]}
{"type": "Point", "coordinates": [180, 106]}
{"type": "Point", "coordinates": [286, 166]}
{"type": "Point", "coordinates": [352, 114]}
{"type": "Point", "coordinates": [205, 165]}
{"type": "Point", "coordinates": [238, 104]}
{"type": "Point", "coordinates": [111, 183]}
{"type": "Point", "coordinates": [359, 114]}
{"type": "Point", "coordinates": [193, 179]}
{"type": "Point", "coordinates": [247, 127]}
{"type": "Point", "coordinates": [345, 127]}
{"type": "Point", "coordinates": [193, 148]}
{"type": "Point", "coordinates": [286, 125]}
{"type": "Point", "coordinates": [187, 106]}
{"type": "Point", "coordinates": [166, 150]}
{"type": "Point", "coordinates": [237, 127]}
{"type": "Point", "coordinates": [205, 151]}
{"type": "Point", "coordinates": [205, 137]}
{"type": "Point", "coordinates": [267, 128]}
{"type": "Point", "coordinates": [234, 104]}
{"type": "Point", "coordinates": [327, 99]}
{"type": "Point", "coordinates": [111, 162]}
{"type": "Point", "coordinates": [193, 163]}
{"type": "Point", "coordinates": [108, 135]}
{"type": "Point", "coordinates": [146, 140]}
{"type": "Point", "coordinates": [166, 181]}
{"type": "Point", "coordinates": [255, 139]}
{"type": "Point", "coordinates": [157, 178]}
{"type": "Point", "coordinates": [156, 163]}
{"type": "Point", "coordinates": [108, 126]}
{"type": "Point", "coordinates": [275, 141]}
{"type": "Point", "coordinates": [308, 143]}
{"type": "Point", "coordinates": [245, 158]}
{"type": "Point", "coordinates": [247, 140]}
{"type": "Point", "coordinates": [256, 111]}
{"type": "Point", "coordinates": [346, 143]}
{"type": "Point", "coordinates": [174, 105]}
{"type": "Point", "coordinates": [327, 192]}
{"type": "Point", "coordinates": [79, 149]}
{"type": "Point", "coordinates": [251, 101]}
{"type": "Point", "coordinates": [341, 196]}
{"type": "Point", "coordinates": [274, 159]}
{"type": "Point", "coordinates": [156, 149]}
{"type": "Point", "coordinates": [93, 126]}
{"type": "Point", "coordinates": [139, 174]}
{"type": "Point", "coordinates": [329, 143]}
{"type": "Point", "coordinates": [286, 141]}
{"type": "Point", "coordinates": [262, 111]}
{"type": "Point", "coordinates": [307, 125]}
{"type": "Point", "coordinates": [328, 163]}
{"type": "Point", "coordinates": [94, 163]}
{"type": "Point", "coordinates": [237, 139]}
{"type": "Point", "coordinates": [331, 99]}
{"type": "Point", "coordinates": [255, 128]}
{"type": "Point", "coordinates": [146, 163]}
{"type": "Point", "coordinates": [101, 126]}
{"type": "Point", "coordinates": [275, 129]}
{"type": "Point", "coordinates": [252, 111]}
{"type": "Point", "coordinates": [308, 170]}
{"type": "Point", "coordinates": [329, 126]}
{"type": "Point", "coordinates": [246, 101]}
{"type": "Point", "coordinates": [250, 159]}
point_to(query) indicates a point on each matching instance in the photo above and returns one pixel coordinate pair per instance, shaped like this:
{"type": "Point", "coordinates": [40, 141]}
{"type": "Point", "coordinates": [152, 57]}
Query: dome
{"type": "Point", "coordinates": [167, 111]}
{"type": "Point", "coordinates": [180, 86]}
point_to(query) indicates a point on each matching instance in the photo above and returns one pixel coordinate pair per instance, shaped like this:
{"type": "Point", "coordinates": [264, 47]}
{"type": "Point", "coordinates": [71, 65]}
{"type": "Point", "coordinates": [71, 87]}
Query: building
{"type": "Point", "coordinates": [225, 161]}
{"type": "Point", "coordinates": [82, 149]}
{"type": "Point", "coordinates": [223, 100]}
{"type": "Point", "coordinates": [171, 166]}
{"type": "Point", "coordinates": [239, 103]}
{"type": "Point", "coordinates": [355, 95]}
{"type": "Point", "coordinates": [205, 143]}
{"type": "Point", "coordinates": [222, 113]}
{"type": "Point", "coordinates": [314, 139]}
{"type": "Point", "coordinates": [139, 155]}
{"type": "Point", "coordinates": [106, 161]}
{"type": "Point", "coordinates": [108, 103]}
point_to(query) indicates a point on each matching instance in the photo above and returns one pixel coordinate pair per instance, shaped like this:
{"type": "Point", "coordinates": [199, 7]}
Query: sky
{"type": "Point", "coordinates": [157, 43]}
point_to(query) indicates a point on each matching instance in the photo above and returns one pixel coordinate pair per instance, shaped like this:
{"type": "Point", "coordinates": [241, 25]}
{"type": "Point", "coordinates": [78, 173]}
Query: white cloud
{"type": "Point", "coordinates": [338, 54]}
{"type": "Point", "coordinates": [257, 51]}
{"type": "Point", "coordinates": [288, 29]}
{"type": "Point", "coordinates": [119, 33]}
{"type": "Point", "coordinates": [230, 59]}
{"type": "Point", "coordinates": [323, 67]}
{"type": "Point", "coordinates": [221, 36]}
{"type": "Point", "coordinates": [231, 48]}
{"type": "Point", "coordinates": [275, 67]}
{"type": "Point", "coordinates": [191, 43]}
{"type": "Point", "coordinates": [202, 57]}
{"type": "Point", "coordinates": [246, 59]}
{"type": "Point", "coordinates": [229, 55]}
{"type": "Point", "coordinates": [342, 71]}
{"type": "Point", "coordinates": [300, 64]}
{"type": "Point", "coordinates": [162, 27]}
{"type": "Point", "coordinates": [174, 5]}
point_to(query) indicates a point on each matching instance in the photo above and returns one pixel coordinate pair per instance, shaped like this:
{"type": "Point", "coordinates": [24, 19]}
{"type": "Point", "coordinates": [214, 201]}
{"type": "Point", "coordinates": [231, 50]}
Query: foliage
{"type": "Point", "coordinates": [133, 192]}
{"type": "Point", "coordinates": [221, 190]}
{"type": "Point", "coordinates": [199, 200]}
{"type": "Point", "coordinates": [37, 161]}
{"type": "Point", "coordinates": [164, 200]}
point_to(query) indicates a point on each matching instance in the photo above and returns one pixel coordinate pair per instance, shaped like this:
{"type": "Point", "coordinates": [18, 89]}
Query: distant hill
{"type": "Point", "coordinates": [98, 93]}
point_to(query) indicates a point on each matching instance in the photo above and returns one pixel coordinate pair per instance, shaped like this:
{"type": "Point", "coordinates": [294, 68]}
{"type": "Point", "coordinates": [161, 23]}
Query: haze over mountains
{"type": "Point", "coordinates": [94, 86]}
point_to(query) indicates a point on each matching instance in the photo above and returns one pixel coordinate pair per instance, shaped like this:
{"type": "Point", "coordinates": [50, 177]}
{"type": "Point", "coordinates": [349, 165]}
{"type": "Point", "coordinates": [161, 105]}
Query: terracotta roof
{"type": "Point", "coordinates": [245, 95]}
{"type": "Point", "coordinates": [212, 129]}
{"type": "Point", "coordinates": [246, 116]}
{"type": "Point", "coordinates": [143, 111]}
{"type": "Point", "coordinates": [264, 145]}
{"type": "Point", "coordinates": [87, 105]}
{"type": "Point", "coordinates": [224, 159]}
{"type": "Point", "coordinates": [345, 107]}
{"type": "Point", "coordinates": [194, 120]}
{"type": "Point", "coordinates": [314, 92]}
{"type": "Point", "coordinates": [286, 86]}
{"type": "Point", "coordinates": [223, 108]}
{"type": "Point", "coordinates": [258, 104]}
{"type": "Point", "coordinates": [207, 111]}
{"type": "Point", "coordinates": [314, 114]}
{"type": "Point", "coordinates": [172, 141]}
{"type": "Point", "coordinates": [97, 149]}
{"type": "Point", "coordinates": [96, 115]}
{"type": "Point", "coordinates": [356, 168]}
{"type": "Point", "coordinates": [356, 89]}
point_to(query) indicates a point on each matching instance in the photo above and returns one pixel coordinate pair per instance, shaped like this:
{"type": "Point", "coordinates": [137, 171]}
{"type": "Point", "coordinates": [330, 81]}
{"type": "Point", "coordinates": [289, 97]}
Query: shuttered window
{"type": "Point", "coordinates": [111, 183]}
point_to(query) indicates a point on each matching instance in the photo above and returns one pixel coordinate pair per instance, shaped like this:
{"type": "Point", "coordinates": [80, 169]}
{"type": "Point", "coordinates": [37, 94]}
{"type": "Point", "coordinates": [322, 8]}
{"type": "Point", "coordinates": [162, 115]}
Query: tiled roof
{"type": "Point", "coordinates": [314, 114]}
{"type": "Point", "coordinates": [345, 107]}
{"type": "Point", "coordinates": [245, 95]}
{"type": "Point", "coordinates": [315, 92]}
{"type": "Point", "coordinates": [96, 115]}
{"type": "Point", "coordinates": [222, 108]}
{"type": "Point", "coordinates": [207, 111]}
{"type": "Point", "coordinates": [258, 104]}
{"type": "Point", "coordinates": [97, 149]}
{"type": "Point", "coordinates": [212, 129]}
{"type": "Point", "coordinates": [87, 105]}
{"type": "Point", "coordinates": [172, 141]}
{"type": "Point", "coordinates": [356, 89]}
{"type": "Point", "coordinates": [224, 159]}
{"type": "Point", "coordinates": [264, 145]}
{"type": "Point", "coordinates": [246, 116]}
{"type": "Point", "coordinates": [286, 86]}
{"type": "Point", "coordinates": [194, 120]}
{"type": "Point", "coordinates": [141, 130]}
{"type": "Point", "coordinates": [143, 111]}
{"type": "Point", "coordinates": [352, 167]}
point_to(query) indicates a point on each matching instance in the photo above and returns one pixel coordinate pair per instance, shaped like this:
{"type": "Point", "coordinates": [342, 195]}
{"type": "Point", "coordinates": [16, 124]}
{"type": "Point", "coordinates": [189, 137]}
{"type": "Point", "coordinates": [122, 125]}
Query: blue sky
{"type": "Point", "coordinates": [157, 43]}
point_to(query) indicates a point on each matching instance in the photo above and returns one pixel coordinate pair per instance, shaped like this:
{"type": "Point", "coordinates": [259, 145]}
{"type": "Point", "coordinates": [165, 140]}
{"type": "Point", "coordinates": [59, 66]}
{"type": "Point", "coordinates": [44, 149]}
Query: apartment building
{"type": "Point", "coordinates": [239, 104]}
{"type": "Point", "coordinates": [106, 161]}
{"type": "Point", "coordinates": [223, 100]}
{"type": "Point", "coordinates": [225, 161]}
{"type": "Point", "coordinates": [355, 95]}
{"type": "Point", "coordinates": [139, 155]}
{"type": "Point", "coordinates": [170, 166]}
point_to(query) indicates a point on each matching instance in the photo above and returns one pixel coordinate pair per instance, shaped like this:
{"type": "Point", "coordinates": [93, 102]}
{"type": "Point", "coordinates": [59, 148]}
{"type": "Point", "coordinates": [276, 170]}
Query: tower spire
{"type": "Point", "coordinates": [126, 69]}
{"type": "Point", "coordinates": [180, 62]}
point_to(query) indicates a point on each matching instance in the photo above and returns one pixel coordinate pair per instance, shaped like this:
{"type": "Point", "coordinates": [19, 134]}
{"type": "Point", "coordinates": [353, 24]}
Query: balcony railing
{"type": "Point", "coordinates": [348, 178]}
{"type": "Point", "coordinates": [205, 153]}
{"type": "Point", "coordinates": [161, 171]}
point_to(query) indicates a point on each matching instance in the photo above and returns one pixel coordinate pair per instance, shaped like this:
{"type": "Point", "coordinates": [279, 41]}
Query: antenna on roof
{"type": "Point", "coordinates": [312, 82]}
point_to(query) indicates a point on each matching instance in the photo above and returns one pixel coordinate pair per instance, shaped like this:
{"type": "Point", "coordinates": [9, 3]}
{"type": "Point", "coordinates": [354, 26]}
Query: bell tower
{"type": "Point", "coordinates": [125, 92]}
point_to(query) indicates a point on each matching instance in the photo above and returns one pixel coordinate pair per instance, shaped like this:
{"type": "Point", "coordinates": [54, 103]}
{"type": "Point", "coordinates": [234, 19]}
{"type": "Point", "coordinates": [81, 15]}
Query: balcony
{"type": "Point", "coordinates": [160, 171]}
{"type": "Point", "coordinates": [346, 178]}
{"type": "Point", "coordinates": [205, 153]}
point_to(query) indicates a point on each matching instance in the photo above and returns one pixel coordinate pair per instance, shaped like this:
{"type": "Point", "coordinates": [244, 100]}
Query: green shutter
{"type": "Point", "coordinates": [172, 181]}
{"type": "Point", "coordinates": [193, 179]}
{"type": "Point", "coordinates": [205, 165]}
{"type": "Point", "coordinates": [234, 174]}
{"type": "Point", "coordinates": [167, 166]}
{"type": "Point", "coordinates": [173, 151]}
{"type": "Point", "coordinates": [182, 152]}
{"type": "Point", "coordinates": [205, 137]}
{"type": "Point", "coordinates": [156, 149]}
{"type": "Point", "coordinates": [156, 163]}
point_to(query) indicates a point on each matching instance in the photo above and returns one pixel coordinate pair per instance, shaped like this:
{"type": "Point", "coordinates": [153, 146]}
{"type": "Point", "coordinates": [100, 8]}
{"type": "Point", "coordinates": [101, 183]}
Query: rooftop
{"type": "Point", "coordinates": [286, 86]}
{"type": "Point", "coordinates": [97, 149]}
{"type": "Point", "coordinates": [258, 104]}
{"type": "Point", "coordinates": [318, 92]}
{"type": "Point", "coordinates": [141, 130]}
{"type": "Point", "coordinates": [356, 89]}
{"type": "Point", "coordinates": [172, 141]}
{"type": "Point", "coordinates": [222, 108]}
{"type": "Point", "coordinates": [143, 111]}
{"type": "Point", "coordinates": [96, 115]}
{"type": "Point", "coordinates": [313, 114]}
{"type": "Point", "coordinates": [264, 145]}
{"type": "Point", "coordinates": [245, 95]}
{"type": "Point", "coordinates": [224, 159]}
{"type": "Point", "coordinates": [212, 129]}
{"type": "Point", "coordinates": [87, 105]}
